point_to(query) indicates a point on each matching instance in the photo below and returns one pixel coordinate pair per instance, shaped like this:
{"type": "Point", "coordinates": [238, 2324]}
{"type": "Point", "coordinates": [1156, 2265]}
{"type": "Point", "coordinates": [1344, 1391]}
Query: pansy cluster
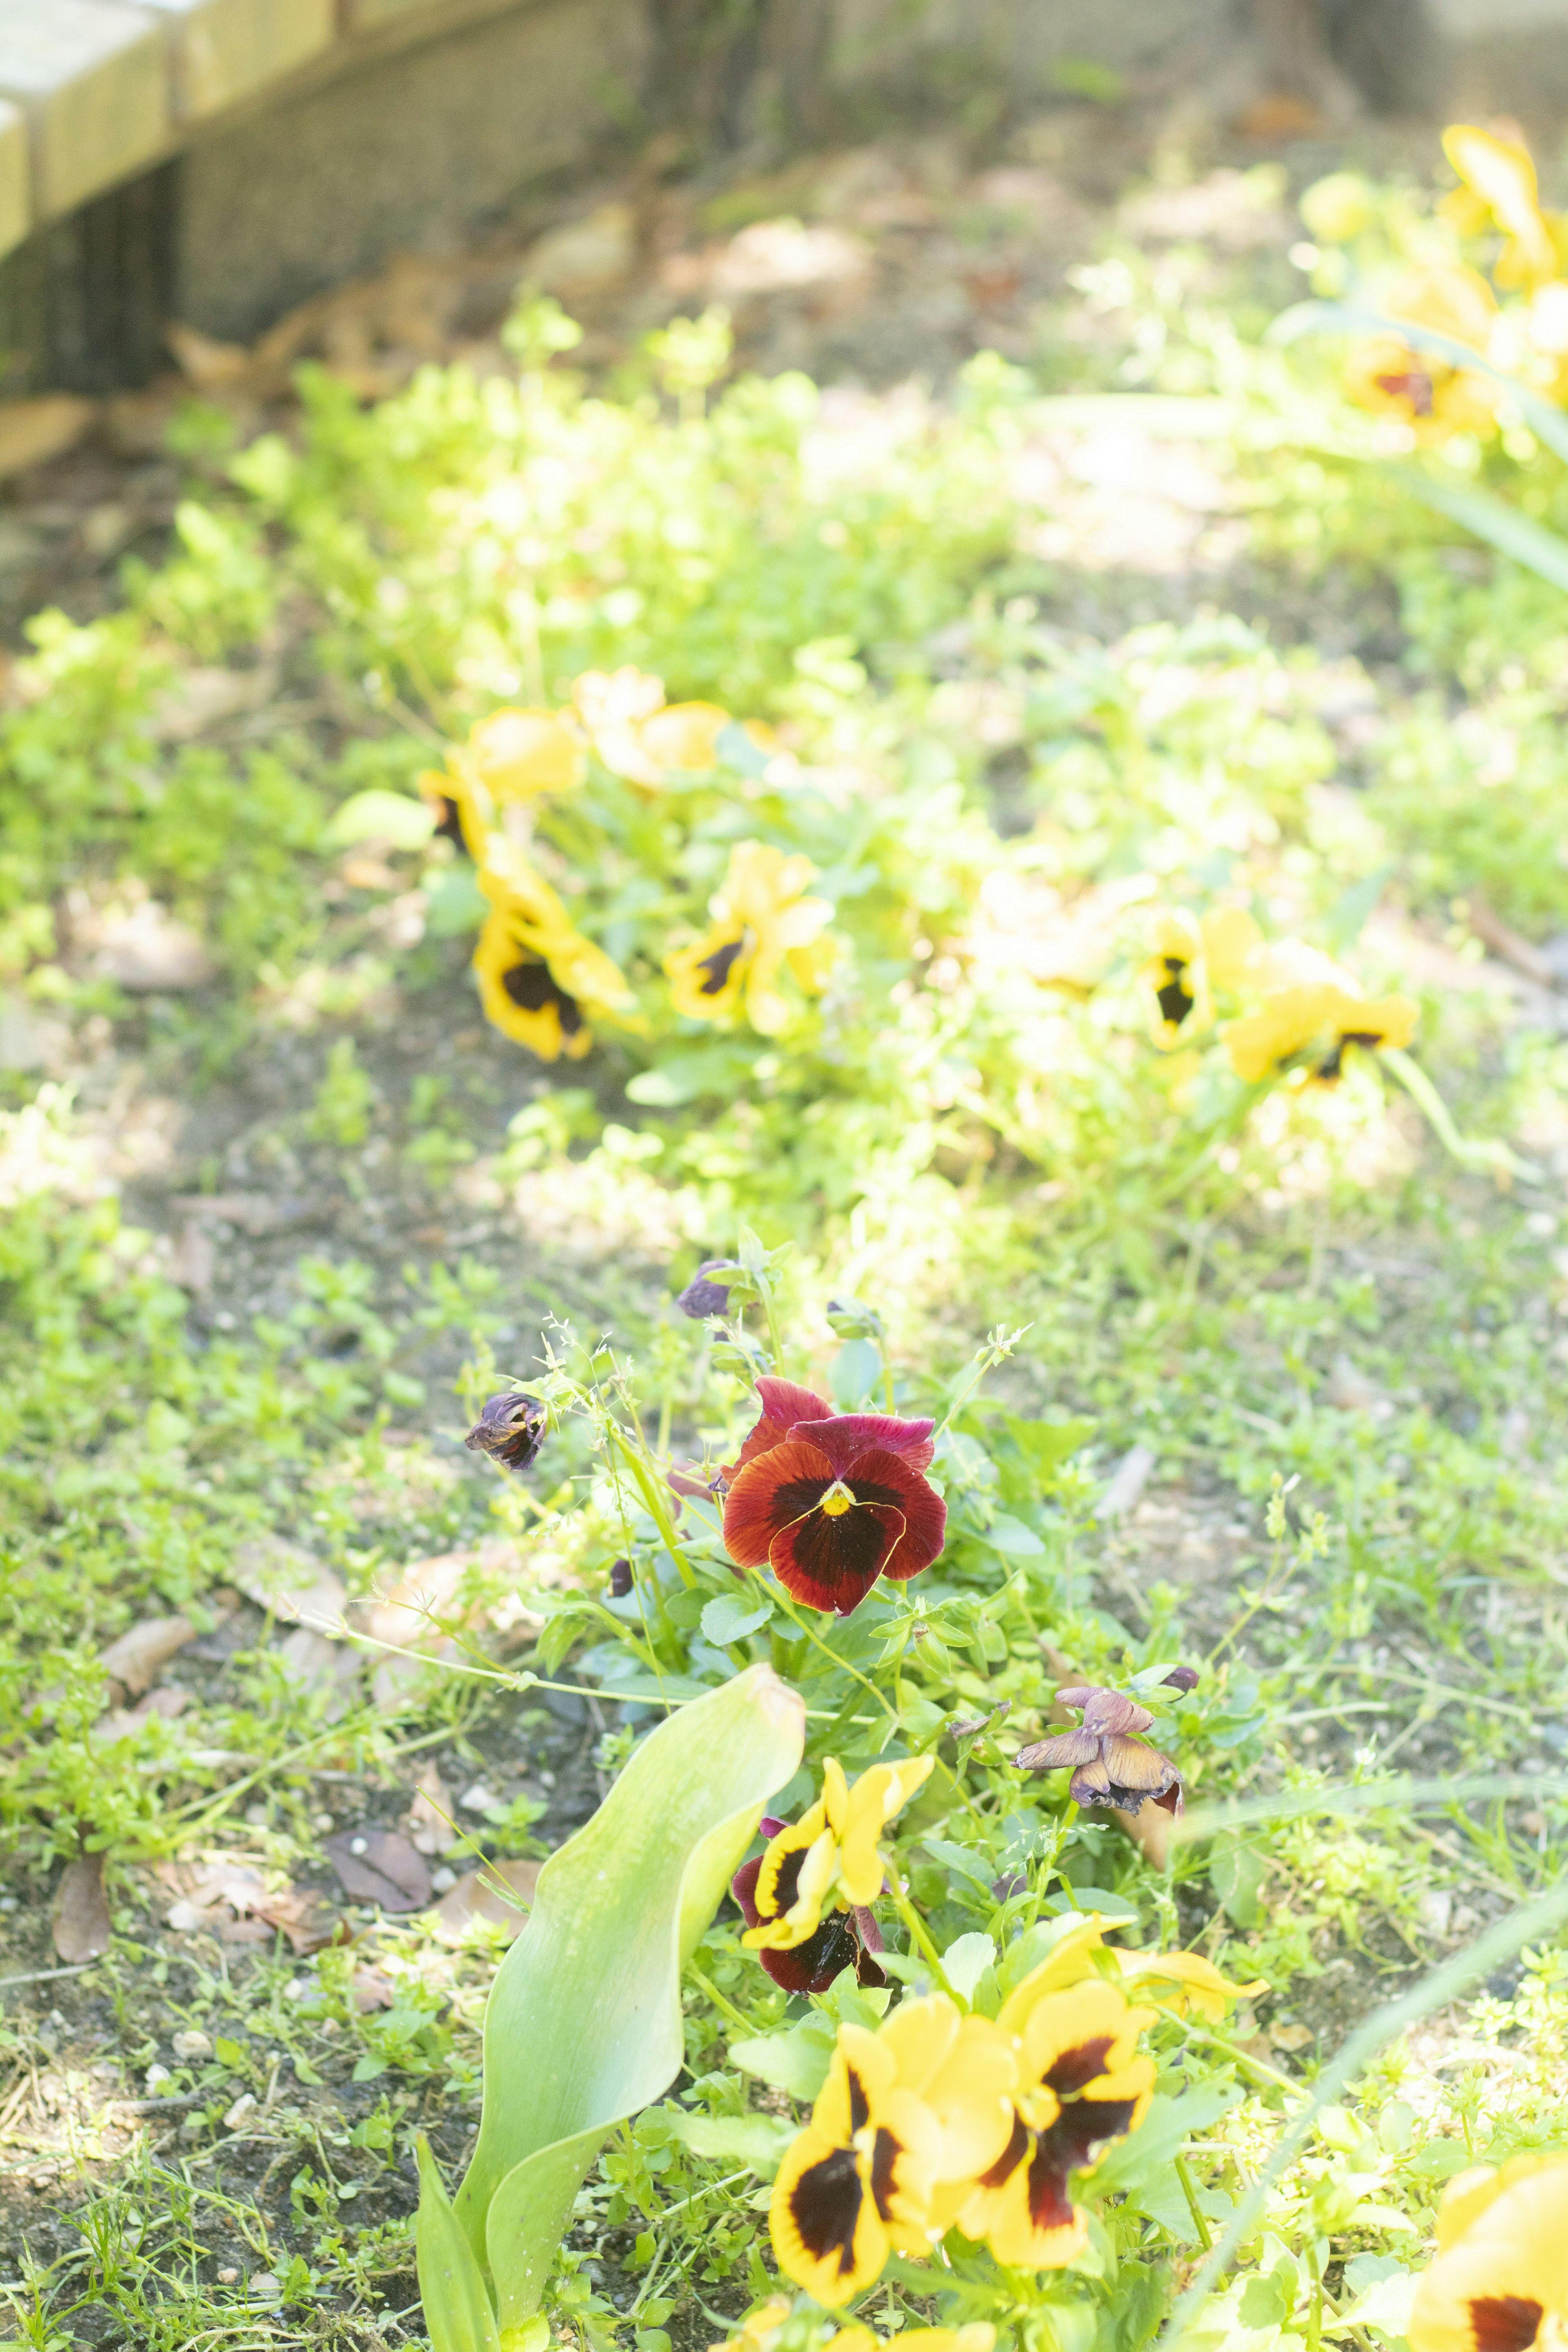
{"type": "Point", "coordinates": [1283, 1008]}
{"type": "Point", "coordinates": [943, 2120]}
{"type": "Point", "coordinates": [543, 982]}
{"type": "Point", "coordinates": [1422, 272]}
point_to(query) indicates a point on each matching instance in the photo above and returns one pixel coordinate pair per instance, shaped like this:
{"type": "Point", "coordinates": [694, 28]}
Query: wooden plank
{"type": "Point", "coordinates": [93, 81]}
{"type": "Point", "coordinates": [226, 49]}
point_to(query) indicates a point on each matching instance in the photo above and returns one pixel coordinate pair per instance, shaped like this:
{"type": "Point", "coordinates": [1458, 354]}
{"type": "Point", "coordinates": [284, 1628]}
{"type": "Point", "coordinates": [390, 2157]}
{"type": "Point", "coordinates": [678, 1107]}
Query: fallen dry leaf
{"type": "Point", "coordinates": [291, 1586]}
{"type": "Point", "coordinates": [79, 1919]}
{"type": "Point", "coordinates": [476, 1895]}
{"type": "Point", "coordinates": [379, 1866]}
{"type": "Point", "coordinates": [430, 1815]}
{"type": "Point", "coordinates": [314, 1662]}
{"type": "Point", "coordinates": [32, 431]}
{"type": "Point", "coordinates": [373, 1988]}
{"type": "Point", "coordinates": [193, 1262]}
{"type": "Point", "coordinates": [137, 1655]}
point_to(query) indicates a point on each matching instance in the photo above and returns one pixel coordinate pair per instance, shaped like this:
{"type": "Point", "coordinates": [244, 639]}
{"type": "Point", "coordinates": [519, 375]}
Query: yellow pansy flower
{"type": "Point", "coordinates": [762, 921]}
{"type": "Point", "coordinates": [1184, 1982]}
{"type": "Point", "coordinates": [511, 755]}
{"type": "Point", "coordinates": [1500, 2281]}
{"type": "Point", "coordinates": [1175, 980]}
{"type": "Point", "coordinates": [1080, 2085]}
{"type": "Point", "coordinates": [1232, 945]}
{"type": "Point", "coordinates": [1499, 184]}
{"type": "Point", "coordinates": [1434, 398]}
{"type": "Point", "coordinates": [639, 735]}
{"type": "Point", "coordinates": [540, 982]}
{"type": "Point", "coordinates": [1315, 1023]}
{"type": "Point", "coordinates": [830, 1857]}
{"type": "Point", "coordinates": [858, 2181]}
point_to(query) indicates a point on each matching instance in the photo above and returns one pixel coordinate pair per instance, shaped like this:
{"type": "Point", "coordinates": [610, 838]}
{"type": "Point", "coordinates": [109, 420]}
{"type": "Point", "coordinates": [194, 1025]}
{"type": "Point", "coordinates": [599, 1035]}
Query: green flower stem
{"type": "Point", "coordinates": [727, 2008]}
{"type": "Point", "coordinates": [1189, 2191]}
{"type": "Point", "coordinates": [1492, 1154]}
{"type": "Point", "coordinates": [894, 1888]}
{"type": "Point", "coordinates": [655, 1501]}
{"type": "Point", "coordinates": [782, 1601]}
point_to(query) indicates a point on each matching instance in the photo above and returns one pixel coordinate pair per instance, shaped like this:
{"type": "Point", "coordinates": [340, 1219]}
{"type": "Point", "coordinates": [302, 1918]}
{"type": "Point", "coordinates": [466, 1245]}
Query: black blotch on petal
{"type": "Point", "coordinates": [532, 987]}
{"type": "Point", "coordinates": [825, 2206]}
{"type": "Point", "coordinates": [1505, 2323]}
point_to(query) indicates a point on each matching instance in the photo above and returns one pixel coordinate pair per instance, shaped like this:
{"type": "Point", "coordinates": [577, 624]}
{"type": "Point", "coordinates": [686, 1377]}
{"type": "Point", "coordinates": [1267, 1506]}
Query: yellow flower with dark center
{"type": "Point", "coordinates": [1232, 946]}
{"type": "Point", "coordinates": [1500, 2281]}
{"type": "Point", "coordinates": [1430, 395]}
{"type": "Point", "coordinates": [1081, 2085]}
{"type": "Point", "coordinates": [1499, 184]}
{"type": "Point", "coordinates": [763, 922]}
{"type": "Point", "coordinates": [830, 1858]}
{"type": "Point", "coordinates": [1315, 1025]}
{"type": "Point", "coordinates": [1174, 977]}
{"type": "Point", "coordinates": [858, 2181]}
{"type": "Point", "coordinates": [540, 982]}
{"type": "Point", "coordinates": [511, 756]}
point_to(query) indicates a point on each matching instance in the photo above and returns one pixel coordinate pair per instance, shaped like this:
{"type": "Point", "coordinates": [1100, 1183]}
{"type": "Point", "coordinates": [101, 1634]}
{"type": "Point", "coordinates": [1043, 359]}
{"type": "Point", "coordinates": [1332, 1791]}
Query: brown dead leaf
{"type": "Point", "coordinates": [147, 951]}
{"type": "Point", "coordinates": [303, 1917]}
{"type": "Point", "coordinates": [33, 431]}
{"type": "Point", "coordinates": [430, 1815]}
{"type": "Point", "coordinates": [379, 1866]}
{"type": "Point", "coordinates": [476, 1895]}
{"type": "Point", "coordinates": [314, 1662]}
{"type": "Point", "coordinates": [373, 1988]}
{"type": "Point", "coordinates": [137, 1655]}
{"type": "Point", "coordinates": [291, 1586]}
{"type": "Point", "coordinates": [79, 1919]}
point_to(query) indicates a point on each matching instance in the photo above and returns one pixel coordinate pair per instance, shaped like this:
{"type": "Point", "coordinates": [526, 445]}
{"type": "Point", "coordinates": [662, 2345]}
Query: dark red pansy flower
{"type": "Point", "coordinates": [829, 1523]}
{"type": "Point", "coordinates": [702, 1295]}
{"type": "Point", "coordinates": [620, 1579]}
{"type": "Point", "coordinates": [844, 1940]}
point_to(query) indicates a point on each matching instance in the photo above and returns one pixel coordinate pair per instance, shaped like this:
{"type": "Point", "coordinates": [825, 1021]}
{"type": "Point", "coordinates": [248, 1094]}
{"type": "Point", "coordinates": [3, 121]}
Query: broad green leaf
{"type": "Point", "coordinates": [1012, 1539]}
{"type": "Point", "coordinates": [731, 1616]}
{"type": "Point", "coordinates": [393, 817]}
{"type": "Point", "coordinates": [795, 2062]}
{"type": "Point", "coordinates": [1503, 527]}
{"type": "Point", "coordinates": [583, 2022]}
{"type": "Point", "coordinates": [1147, 2154]}
{"type": "Point", "coordinates": [1046, 1444]}
{"type": "Point", "coordinates": [1236, 1873]}
{"type": "Point", "coordinates": [965, 1961]}
{"type": "Point", "coordinates": [457, 2305]}
{"type": "Point", "coordinates": [854, 1371]}
{"type": "Point", "coordinates": [757, 2140]}
{"type": "Point", "coordinates": [961, 1858]}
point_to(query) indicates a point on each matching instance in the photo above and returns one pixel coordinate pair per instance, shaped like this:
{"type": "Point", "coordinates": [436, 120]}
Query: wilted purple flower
{"type": "Point", "coordinates": [702, 1297]}
{"type": "Point", "coordinates": [1111, 1765]}
{"type": "Point", "coordinates": [620, 1579]}
{"type": "Point", "coordinates": [509, 1429]}
{"type": "Point", "coordinates": [1182, 1679]}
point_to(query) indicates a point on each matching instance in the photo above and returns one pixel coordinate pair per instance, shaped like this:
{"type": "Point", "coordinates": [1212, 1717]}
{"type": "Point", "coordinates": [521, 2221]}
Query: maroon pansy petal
{"type": "Point", "coordinates": [812, 1966]}
{"type": "Point", "coordinates": [780, 1486]}
{"type": "Point", "coordinates": [848, 1435]}
{"type": "Point", "coordinates": [783, 1402]}
{"type": "Point", "coordinates": [833, 1562]}
{"type": "Point", "coordinates": [743, 1888]}
{"type": "Point", "coordinates": [879, 1477]}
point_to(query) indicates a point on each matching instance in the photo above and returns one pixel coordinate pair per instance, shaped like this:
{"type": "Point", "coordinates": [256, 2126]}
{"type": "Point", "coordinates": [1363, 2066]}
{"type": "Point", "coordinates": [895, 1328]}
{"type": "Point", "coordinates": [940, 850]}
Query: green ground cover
{"type": "Point", "coordinates": [1241, 1372]}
